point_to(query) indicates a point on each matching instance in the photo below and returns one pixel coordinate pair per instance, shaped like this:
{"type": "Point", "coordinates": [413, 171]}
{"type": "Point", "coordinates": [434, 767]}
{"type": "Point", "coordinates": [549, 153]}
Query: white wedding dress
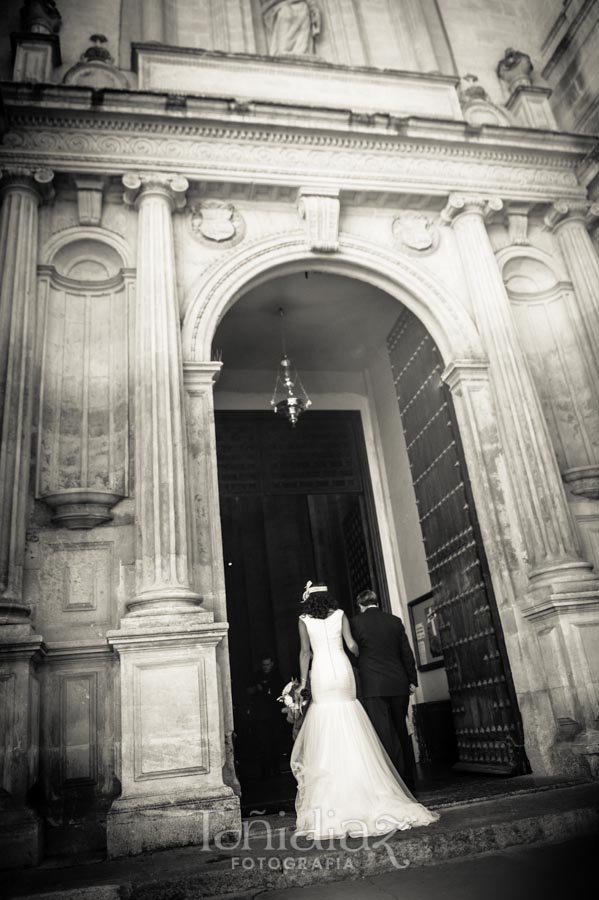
{"type": "Point", "coordinates": [347, 784]}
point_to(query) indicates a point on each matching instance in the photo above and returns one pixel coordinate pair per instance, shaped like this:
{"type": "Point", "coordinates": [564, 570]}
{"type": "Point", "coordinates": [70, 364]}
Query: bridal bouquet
{"type": "Point", "coordinates": [294, 699]}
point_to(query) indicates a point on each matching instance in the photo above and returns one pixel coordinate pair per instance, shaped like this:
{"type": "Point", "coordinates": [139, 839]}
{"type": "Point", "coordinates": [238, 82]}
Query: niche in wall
{"type": "Point", "coordinates": [83, 440]}
{"type": "Point", "coordinates": [561, 359]}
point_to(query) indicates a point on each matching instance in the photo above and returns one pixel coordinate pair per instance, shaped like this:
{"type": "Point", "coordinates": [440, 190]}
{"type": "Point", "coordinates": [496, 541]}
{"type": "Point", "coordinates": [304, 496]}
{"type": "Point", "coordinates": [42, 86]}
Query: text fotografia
{"type": "Point", "coordinates": [260, 836]}
{"type": "Point", "coordinates": [296, 863]}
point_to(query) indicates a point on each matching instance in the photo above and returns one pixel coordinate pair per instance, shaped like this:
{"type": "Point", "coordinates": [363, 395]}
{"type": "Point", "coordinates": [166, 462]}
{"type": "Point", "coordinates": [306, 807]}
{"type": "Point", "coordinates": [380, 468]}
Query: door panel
{"type": "Point", "coordinates": [486, 717]}
{"type": "Point", "coordinates": [248, 589]}
{"type": "Point", "coordinates": [359, 559]}
{"type": "Point", "coordinates": [290, 564]}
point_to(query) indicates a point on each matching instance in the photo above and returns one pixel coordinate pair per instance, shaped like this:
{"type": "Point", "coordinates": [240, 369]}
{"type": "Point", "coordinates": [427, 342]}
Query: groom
{"type": "Point", "coordinates": [387, 676]}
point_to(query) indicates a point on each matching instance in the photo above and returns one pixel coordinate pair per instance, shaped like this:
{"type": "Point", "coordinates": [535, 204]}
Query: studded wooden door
{"type": "Point", "coordinates": [486, 717]}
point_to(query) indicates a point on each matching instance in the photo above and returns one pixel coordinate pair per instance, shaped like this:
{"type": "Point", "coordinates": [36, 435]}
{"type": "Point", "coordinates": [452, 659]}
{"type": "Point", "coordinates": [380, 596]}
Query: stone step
{"type": "Point", "coordinates": [266, 861]}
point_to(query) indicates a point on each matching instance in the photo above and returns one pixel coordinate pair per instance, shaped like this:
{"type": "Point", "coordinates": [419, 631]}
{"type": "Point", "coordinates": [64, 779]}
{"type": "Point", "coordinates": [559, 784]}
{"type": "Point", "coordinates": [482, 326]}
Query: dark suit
{"type": "Point", "coordinates": [387, 667]}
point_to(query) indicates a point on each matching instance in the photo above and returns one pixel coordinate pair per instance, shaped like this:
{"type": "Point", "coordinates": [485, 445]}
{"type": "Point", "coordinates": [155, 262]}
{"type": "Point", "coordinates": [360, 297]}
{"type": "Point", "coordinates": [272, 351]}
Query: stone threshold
{"type": "Point", "coordinates": [541, 816]}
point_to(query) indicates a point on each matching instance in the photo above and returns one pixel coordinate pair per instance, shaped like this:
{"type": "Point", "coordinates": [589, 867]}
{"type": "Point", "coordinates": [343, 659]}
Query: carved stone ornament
{"type": "Point", "coordinates": [96, 68]}
{"type": "Point", "coordinates": [90, 189]}
{"type": "Point", "coordinates": [82, 508]}
{"type": "Point", "coordinates": [517, 218]}
{"type": "Point", "coordinates": [470, 89]}
{"type": "Point", "coordinates": [477, 106]}
{"type": "Point", "coordinates": [583, 481]}
{"type": "Point", "coordinates": [415, 233]}
{"type": "Point", "coordinates": [319, 209]}
{"type": "Point", "coordinates": [215, 222]}
{"type": "Point", "coordinates": [515, 69]}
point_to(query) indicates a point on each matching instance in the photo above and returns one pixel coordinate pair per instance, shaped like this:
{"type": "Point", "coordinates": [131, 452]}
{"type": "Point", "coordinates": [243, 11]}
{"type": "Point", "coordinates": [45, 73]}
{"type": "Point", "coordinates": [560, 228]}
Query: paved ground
{"type": "Point", "coordinates": [564, 871]}
{"type": "Point", "coordinates": [267, 860]}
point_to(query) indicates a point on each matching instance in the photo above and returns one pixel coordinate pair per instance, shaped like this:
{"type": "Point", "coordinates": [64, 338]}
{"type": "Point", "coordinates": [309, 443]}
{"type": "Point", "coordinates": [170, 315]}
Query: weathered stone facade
{"type": "Point", "coordinates": [151, 180]}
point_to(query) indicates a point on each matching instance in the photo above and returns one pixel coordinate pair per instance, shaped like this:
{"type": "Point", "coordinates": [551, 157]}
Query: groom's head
{"type": "Point", "coordinates": [366, 599]}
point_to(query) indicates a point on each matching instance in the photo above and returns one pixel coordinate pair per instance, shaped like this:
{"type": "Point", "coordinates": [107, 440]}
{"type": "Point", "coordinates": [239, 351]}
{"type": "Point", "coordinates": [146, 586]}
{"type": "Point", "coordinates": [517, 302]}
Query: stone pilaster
{"type": "Point", "coordinates": [413, 37]}
{"type": "Point", "coordinates": [562, 600]}
{"type": "Point", "coordinates": [163, 578]}
{"type": "Point", "coordinates": [22, 191]}
{"type": "Point", "coordinates": [208, 565]}
{"type": "Point", "coordinates": [548, 529]}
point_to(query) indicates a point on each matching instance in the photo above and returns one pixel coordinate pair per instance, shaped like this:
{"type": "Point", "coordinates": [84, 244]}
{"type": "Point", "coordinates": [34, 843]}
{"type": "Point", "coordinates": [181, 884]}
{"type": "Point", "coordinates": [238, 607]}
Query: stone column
{"type": "Point", "coordinates": [564, 592]}
{"type": "Point", "coordinates": [163, 579]}
{"type": "Point", "coordinates": [20, 650]}
{"type": "Point", "coordinates": [172, 759]}
{"type": "Point", "coordinates": [569, 224]}
{"type": "Point", "coordinates": [548, 529]}
{"type": "Point", "coordinates": [21, 191]}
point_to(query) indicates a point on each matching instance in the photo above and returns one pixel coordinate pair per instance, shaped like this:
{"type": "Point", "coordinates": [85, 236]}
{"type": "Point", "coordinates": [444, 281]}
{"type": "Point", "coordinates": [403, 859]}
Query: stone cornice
{"type": "Point", "coordinates": [65, 105]}
{"type": "Point", "coordinates": [423, 156]}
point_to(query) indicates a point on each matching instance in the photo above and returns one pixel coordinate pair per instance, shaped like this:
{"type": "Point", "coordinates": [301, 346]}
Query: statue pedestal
{"type": "Point", "coordinates": [531, 109]}
{"type": "Point", "coordinates": [35, 56]}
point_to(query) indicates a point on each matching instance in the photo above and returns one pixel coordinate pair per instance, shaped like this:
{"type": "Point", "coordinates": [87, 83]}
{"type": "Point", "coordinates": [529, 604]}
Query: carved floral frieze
{"type": "Point", "coordinates": [266, 155]}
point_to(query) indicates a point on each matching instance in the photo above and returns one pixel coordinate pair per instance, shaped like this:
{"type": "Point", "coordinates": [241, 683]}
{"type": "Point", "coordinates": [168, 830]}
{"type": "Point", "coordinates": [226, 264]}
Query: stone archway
{"type": "Point", "coordinates": [466, 373]}
{"type": "Point", "coordinates": [442, 314]}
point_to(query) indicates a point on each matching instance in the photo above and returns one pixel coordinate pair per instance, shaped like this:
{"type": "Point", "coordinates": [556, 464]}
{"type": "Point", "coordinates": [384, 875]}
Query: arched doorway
{"type": "Point", "coordinates": [287, 510]}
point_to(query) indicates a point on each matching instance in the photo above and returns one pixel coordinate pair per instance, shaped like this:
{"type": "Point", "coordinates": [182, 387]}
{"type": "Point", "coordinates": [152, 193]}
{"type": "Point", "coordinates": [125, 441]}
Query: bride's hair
{"type": "Point", "coordinates": [318, 603]}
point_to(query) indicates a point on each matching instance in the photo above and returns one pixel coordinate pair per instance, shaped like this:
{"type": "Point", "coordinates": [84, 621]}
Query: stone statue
{"type": "Point", "coordinates": [291, 25]}
{"type": "Point", "coordinates": [515, 68]}
{"type": "Point", "coordinates": [40, 17]}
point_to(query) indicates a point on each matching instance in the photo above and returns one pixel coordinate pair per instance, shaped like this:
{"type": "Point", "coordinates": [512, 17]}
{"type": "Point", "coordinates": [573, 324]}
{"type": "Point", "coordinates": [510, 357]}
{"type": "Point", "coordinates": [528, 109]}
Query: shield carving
{"type": "Point", "coordinates": [214, 220]}
{"type": "Point", "coordinates": [414, 232]}
{"type": "Point", "coordinates": [217, 222]}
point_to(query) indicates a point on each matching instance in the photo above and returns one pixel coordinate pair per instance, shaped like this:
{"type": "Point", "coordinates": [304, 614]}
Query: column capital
{"type": "Point", "coordinates": [562, 213]}
{"type": "Point", "coordinates": [140, 185]}
{"type": "Point", "coordinates": [459, 371]}
{"type": "Point", "coordinates": [199, 376]}
{"type": "Point", "coordinates": [471, 204]}
{"type": "Point", "coordinates": [25, 178]}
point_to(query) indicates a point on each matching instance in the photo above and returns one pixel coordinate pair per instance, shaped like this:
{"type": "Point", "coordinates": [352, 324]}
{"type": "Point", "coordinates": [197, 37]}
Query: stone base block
{"type": "Point", "coordinates": [21, 839]}
{"type": "Point", "coordinates": [138, 825]}
{"type": "Point", "coordinates": [586, 746]}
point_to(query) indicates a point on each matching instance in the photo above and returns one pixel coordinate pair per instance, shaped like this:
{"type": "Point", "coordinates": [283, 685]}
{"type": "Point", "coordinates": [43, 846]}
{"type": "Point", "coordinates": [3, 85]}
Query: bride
{"type": "Point", "coordinates": [347, 784]}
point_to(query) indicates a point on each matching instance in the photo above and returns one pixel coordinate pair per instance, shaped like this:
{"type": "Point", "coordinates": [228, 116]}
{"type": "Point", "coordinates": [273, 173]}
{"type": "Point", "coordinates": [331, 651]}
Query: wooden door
{"type": "Point", "coordinates": [294, 506]}
{"type": "Point", "coordinates": [486, 717]}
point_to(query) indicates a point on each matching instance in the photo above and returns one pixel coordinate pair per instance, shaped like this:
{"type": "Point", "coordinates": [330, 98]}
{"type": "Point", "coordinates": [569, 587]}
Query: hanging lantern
{"type": "Point", "coordinates": [289, 396]}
